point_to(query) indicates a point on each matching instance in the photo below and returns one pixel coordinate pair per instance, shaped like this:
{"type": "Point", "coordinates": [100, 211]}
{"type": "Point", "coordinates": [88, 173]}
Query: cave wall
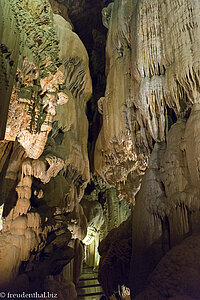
{"type": "Point", "coordinates": [142, 143]}
{"type": "Point", "coordinates": [150, 119]}
{"type": "Point", "coordinates": [44, 160]}
{"type": "Point", "coordinates": [104, 212]}
{"type": "Point", "coordinates": [35, 89]}
{"type": "Point", "coordinates": [144, 81]}
{"type": "Point", "coordinates": [9, 54]}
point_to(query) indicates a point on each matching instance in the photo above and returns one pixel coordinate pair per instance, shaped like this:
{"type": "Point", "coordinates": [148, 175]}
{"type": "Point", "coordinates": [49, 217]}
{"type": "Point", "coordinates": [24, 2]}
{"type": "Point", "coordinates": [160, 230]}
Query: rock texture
{"type": "Point", "coordinates": [150, 69]}
{"type": "Point", "coordinates": [168, 211]}
{"type": "Point", "coordinates": [104, 213]}
{"type": "Point", "coordinates": [36, 86]}
{"type": "Point", "coordinates": [115, 251]}
{"type": "Point", "coordinates": [177, 274]}
{"type": "Point", "coordinates": [9, 53]}
{"type": "Point", "coordinates": [143, 145]}
{"type": "Point", "coordinates": [152, 66]}
{"type": "Point", "coordinates": [44, 163]}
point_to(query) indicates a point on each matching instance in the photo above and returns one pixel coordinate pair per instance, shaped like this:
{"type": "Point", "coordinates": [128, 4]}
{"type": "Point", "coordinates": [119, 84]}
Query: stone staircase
{"type": "Point", "coordinates": [88, 287]}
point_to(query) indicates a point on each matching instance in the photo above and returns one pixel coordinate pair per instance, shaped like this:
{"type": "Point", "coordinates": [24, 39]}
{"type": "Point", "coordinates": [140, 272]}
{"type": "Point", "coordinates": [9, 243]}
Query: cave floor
{"type": "Point", "coordinates": [89, 287]}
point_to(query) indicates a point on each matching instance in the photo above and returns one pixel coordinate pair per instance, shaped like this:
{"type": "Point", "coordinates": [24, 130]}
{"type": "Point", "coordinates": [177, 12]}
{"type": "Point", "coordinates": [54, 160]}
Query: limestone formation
{"type": "Point", "coordinates": [167, 212]}
{"type": "Point", "coordinates": [9, 53]}
{"type": "Point", "coordinates": [115, 251]}
{"type": "Point", "coordinates": [106, 15]}
{"type": "Point", "coordinates": [144, 80]}
{"type": "Point", "coordinates": [32, 104]}
{"type": "Point", "coordinates": [60, 9]}
{"type": "Point", "coordinates": [104, 212]}
{"type": "Point", "coordinates": [152, 82]}
{"type": "Point", "coordinates": [95, 219]}
{"type": "Point", "coordinates": [126, 187]}
{"type": "Point", "coordinates": [177, 274]}
{"type": "Point", "coordinates": [52, 71]}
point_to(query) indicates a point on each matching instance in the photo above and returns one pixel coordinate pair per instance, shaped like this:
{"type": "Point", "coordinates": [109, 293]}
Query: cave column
{"type": "Point", "coordinates": [9, 53]}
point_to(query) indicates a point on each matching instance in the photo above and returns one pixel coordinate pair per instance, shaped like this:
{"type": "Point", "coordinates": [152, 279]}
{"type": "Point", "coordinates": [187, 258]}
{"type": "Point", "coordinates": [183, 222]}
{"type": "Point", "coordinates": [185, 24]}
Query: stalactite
{"type": "Point", "coordinates": [45, 175]}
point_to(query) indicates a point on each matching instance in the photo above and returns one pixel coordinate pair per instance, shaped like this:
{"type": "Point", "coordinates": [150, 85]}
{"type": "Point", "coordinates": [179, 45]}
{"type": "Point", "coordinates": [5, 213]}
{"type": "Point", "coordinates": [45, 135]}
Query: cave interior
{"type": "Point", "coordinates": [99, 159]}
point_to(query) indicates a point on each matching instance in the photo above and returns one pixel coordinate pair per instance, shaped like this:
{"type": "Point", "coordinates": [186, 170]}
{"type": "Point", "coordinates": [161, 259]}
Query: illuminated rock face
{"type": "Point", "coordinates": [44, 160]}
{"type": "Point", "coordinates": [9, 54]}
{"type": "Point", "coordinates": [152, 65]}
{"type": "Point", "coordinates": [67, 142]}
{"type": "Point", "coordinates": [1, 220]}
{"type": "Point", "coordinates": [167, 206]}
{"type": "Point", "coordinates": [37, 81]}
{"type": "Point", "coordinates": [147, 149]}
{"type": "Point", "coordinates": [152, 82]}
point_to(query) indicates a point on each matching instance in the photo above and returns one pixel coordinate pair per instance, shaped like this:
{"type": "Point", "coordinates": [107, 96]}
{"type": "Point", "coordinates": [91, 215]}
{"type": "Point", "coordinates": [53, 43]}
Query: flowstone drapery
{"type": "Point", "coordinates": [152, 65]}
{"type": "Point", "coordinates": [44, 162]}
{"type": "Point", "coordinates": [143, 146]}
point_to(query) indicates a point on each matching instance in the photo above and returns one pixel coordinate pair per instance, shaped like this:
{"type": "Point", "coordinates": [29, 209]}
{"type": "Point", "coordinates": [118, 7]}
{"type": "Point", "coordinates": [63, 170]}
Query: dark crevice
{"type": "Point", "coordinates": [172, 118]}
{"type": "Point", "coordinates": [166, 244]}
{"type": "Point", "coordinates": [93, 35]}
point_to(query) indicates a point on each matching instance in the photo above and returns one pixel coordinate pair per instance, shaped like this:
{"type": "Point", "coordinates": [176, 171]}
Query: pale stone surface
{"type": "Point", "coordinates": [152, 62]}
{"type": "Point", "coordinates": [9, 54]}
{"type": "Point", "coordinates": [35, 219]}
{"type": "Point", "coordinates": [167, 206]}
{"type": "Point", "coordinates": [152, 81]}
{"type": "Point", "coordinates": [1, 219]}
{"type": "Point", "coordinates": [32, 107]}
